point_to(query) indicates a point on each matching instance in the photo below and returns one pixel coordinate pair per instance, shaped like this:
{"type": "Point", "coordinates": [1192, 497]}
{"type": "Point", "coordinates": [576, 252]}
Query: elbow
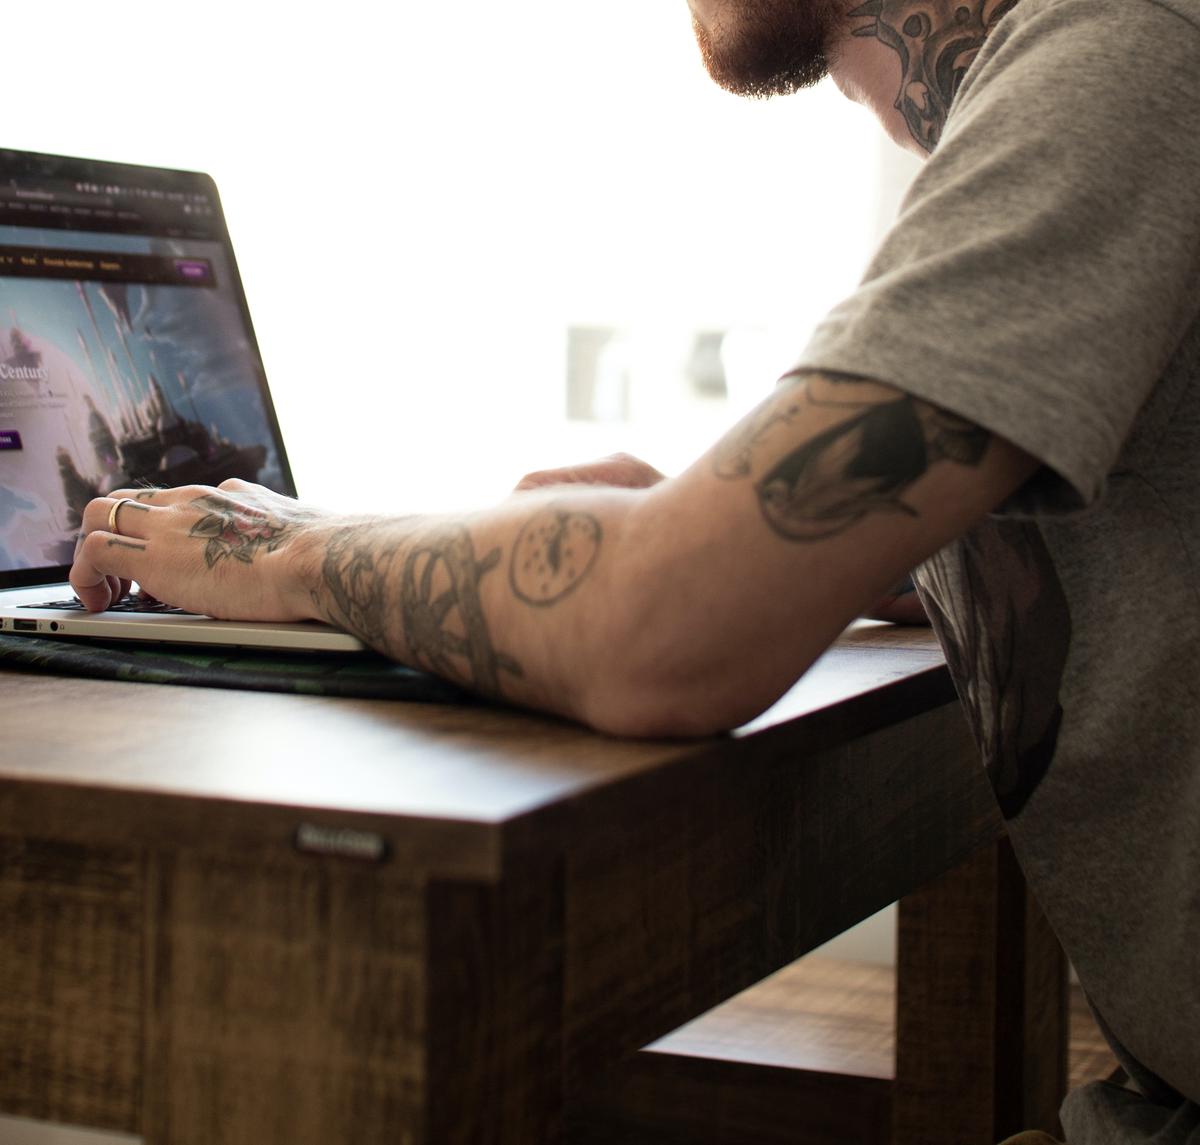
{"type": "Point", "coordinates": [650, 714]}
{"type": "Point", "coordinates": [644, 676]}
{"type": "Point", "coordinates": [675, 650]}
{"type": "Point", "coordinates": [660, 702]}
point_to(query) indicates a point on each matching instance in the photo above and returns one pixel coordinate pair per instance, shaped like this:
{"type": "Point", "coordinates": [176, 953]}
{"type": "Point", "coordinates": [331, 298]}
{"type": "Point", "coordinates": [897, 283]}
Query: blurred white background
{"type": "Point", "coordinates": [425, 198]}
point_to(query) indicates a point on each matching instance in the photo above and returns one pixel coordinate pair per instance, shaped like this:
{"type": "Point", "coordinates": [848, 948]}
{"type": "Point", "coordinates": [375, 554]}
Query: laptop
{"type": "Point", "coordinates": [127, 357]}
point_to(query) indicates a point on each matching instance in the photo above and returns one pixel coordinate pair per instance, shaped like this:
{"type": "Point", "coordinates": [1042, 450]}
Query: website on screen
{"type": "Point", "coordinates": [124, 360]}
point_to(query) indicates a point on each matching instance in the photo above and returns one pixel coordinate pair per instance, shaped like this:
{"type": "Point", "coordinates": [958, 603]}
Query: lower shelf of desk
{"type": "Point", "coordinates": [805, 1057]}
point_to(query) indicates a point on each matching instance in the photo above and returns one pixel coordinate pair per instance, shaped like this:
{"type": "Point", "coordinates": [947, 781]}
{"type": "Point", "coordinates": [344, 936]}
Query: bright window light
{"type": "Point", "coordinates": [477, 239]}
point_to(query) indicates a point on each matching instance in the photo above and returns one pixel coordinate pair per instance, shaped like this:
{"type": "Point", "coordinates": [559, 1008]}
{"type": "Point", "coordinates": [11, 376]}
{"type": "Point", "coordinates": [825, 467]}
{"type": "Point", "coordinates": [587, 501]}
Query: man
{"type": "Point", "coordinates": [1026, 342]}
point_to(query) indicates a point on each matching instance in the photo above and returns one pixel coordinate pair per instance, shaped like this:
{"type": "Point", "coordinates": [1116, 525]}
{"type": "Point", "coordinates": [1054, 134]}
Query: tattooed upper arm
{"type": "Point", "coordinates": [734, 452]}
{"type": "Point", "coordinates": [861, 464]}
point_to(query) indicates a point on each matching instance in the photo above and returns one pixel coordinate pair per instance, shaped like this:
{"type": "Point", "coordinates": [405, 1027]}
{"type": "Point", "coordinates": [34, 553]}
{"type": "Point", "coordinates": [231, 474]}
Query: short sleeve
{"type": "Point", "coordinates": [1045, 264]}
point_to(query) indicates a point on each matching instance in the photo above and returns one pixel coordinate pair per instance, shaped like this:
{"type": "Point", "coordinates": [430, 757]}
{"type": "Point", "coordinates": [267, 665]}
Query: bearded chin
{"type": "Point", "coordinates": [768, 52]}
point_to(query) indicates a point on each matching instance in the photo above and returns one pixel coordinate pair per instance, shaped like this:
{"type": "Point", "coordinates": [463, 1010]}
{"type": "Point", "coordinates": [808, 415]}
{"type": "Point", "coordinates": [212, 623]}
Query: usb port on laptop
{"type": "Point", "coordinates": [24, 625]}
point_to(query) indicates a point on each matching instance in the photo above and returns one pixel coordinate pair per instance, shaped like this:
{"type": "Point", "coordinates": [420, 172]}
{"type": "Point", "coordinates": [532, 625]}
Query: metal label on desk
{"type": "Point", "coordinates": [341, 842]}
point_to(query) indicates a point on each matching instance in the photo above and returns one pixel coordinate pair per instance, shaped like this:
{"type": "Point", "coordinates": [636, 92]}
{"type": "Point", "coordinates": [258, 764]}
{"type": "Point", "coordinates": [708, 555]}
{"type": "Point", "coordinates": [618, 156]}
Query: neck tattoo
{"type": "Point", "coordinates": [936, 40]}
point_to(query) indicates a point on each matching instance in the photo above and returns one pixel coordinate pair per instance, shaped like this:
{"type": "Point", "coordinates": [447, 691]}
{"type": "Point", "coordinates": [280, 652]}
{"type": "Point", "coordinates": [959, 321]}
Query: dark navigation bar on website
{"type": "Point", "coordinates": [118, 210]}
{"type": "Point", "coordinates": [103, 266]}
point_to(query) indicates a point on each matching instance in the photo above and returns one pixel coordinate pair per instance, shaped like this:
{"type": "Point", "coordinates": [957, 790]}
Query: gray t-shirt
{"type": "Point", "coordinates": [1043, 280]}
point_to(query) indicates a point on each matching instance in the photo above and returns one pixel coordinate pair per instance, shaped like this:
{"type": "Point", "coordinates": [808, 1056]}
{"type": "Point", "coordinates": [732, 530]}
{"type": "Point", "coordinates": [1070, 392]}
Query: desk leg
{"type": "Point", "coordinates": [981, 1008]}
{"type": "Point", "coordinates": [495, 1009]}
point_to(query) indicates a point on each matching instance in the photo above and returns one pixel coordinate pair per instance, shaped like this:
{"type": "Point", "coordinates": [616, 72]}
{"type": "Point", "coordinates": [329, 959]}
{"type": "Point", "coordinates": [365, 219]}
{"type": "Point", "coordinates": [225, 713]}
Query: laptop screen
{"type": "Point", "coordinates": [126, 351]}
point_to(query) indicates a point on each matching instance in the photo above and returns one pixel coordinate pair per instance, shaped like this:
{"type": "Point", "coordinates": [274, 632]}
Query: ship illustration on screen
{"type": "Point", "coordinates": [108, 385]}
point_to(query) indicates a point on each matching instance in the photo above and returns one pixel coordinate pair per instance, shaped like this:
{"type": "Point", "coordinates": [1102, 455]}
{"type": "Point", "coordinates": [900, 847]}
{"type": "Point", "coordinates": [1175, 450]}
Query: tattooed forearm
{"type": "Point", "coordinates": [235, 530]}
{"type": "Point", "coordinates": [861, 465]}
{"type": "Point", "coordinates": [552, 555]}
{"type": "Point", "coordinates": [936, 40]}
{"type": "Point", "coordinates": [428, 601]}
{"type": "Point", "coordinates": [355, 576]}
{"type": "Point", "coordinates": [433, 617]}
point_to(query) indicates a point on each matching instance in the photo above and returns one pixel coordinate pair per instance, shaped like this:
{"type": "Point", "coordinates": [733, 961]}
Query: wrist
{"type": "Point", "coordinates": [343, 574]}
{"type": "Point", "coordinates": [300, 576]}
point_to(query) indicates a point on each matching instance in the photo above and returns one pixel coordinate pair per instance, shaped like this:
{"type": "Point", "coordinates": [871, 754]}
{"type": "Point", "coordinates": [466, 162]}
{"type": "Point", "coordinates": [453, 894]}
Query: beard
{"type": "Point", "coordinates": [761, 48]}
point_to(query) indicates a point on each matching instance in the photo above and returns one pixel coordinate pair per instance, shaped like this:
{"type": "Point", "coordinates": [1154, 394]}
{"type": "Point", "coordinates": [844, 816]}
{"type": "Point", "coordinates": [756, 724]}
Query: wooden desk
{"type": "Point", "coordinates": [233, 918]}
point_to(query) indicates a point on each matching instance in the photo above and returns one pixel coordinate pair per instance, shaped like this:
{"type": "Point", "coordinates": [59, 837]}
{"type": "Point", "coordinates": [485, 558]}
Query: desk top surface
{"type": "Point", "coordinates": [466, 765]}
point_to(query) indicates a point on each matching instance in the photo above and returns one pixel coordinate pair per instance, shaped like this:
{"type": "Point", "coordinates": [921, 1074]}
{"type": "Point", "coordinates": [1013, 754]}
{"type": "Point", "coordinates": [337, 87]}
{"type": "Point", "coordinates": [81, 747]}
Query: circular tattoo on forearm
{"type": "Point", "coordinates": [554, 551]}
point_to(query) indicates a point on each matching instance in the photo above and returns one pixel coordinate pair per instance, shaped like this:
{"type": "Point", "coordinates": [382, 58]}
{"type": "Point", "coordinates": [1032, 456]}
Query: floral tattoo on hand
{"type": "Point", "coordinates": [235, 531]}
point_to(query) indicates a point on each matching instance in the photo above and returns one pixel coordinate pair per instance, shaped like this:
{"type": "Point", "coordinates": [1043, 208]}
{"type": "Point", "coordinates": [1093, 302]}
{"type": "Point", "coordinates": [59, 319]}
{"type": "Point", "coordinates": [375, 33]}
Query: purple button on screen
{"type": "Point", "coordinates": [192, 269]}
{"type": "Point", "coordinates": [10, 439]}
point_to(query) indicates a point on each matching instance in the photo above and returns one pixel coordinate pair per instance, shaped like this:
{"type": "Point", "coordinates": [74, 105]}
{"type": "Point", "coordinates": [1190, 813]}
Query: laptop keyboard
{"type": "Point", "coordinates": [127, 604]}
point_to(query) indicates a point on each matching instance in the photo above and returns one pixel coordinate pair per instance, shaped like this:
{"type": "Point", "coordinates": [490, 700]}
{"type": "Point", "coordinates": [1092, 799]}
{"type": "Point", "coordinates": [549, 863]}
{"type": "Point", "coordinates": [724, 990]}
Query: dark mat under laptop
{"type": "Point", "coordinates": [352, 674]}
